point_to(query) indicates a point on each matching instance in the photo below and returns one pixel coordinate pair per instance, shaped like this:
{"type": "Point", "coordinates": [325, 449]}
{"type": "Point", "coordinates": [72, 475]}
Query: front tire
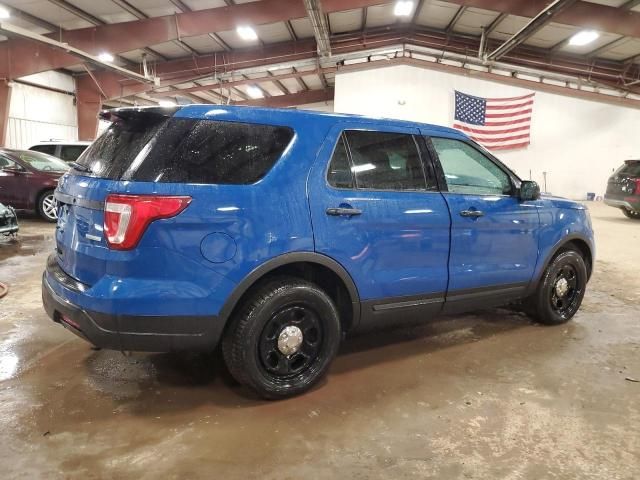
{"type": "Point", "coordinates": [633, 214]}
{"type": "Point", "coordinates": [283, 339]}
{"type": "Point", "coordinates": [561, 289]}
{"type": "Point", "coordinates": [47, 206]}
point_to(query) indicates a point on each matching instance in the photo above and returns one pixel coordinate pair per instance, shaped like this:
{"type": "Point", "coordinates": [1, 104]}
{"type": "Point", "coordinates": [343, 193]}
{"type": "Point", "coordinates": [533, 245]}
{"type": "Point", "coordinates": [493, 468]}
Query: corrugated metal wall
{"type": "Point", "coordinates": [37, 114]}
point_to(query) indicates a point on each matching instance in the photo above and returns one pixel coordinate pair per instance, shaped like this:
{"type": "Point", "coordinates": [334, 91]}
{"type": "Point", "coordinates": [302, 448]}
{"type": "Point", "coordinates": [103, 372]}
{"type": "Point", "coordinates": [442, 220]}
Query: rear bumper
{"type": "Point", "coordinates": [127, 332]}
{"type": "Point", "coordinates": [623, 203]}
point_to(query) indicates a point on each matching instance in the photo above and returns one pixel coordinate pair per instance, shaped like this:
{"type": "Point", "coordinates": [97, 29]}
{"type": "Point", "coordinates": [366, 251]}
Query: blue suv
{"type": "Point", "coordinates": [275, 232]}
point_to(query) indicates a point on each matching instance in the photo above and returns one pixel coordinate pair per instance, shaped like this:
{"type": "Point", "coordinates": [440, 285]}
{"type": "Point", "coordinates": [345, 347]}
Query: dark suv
{"type": "Point", "coordinates": [623, 189]}
{"type": "Point", "coordinates": [276, 231]}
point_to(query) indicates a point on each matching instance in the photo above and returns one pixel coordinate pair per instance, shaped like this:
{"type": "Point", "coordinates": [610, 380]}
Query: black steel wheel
{"type": "Point", "coordinates": [633, 214]}
{"type": "Point", "coordinates": [283, 338]}
{"type": "Point", "coordinates": [566, 291]}
{"type": "Point", "coordinates": [561, 289]}
{"type": "Point", "coordinates": [291, 340]}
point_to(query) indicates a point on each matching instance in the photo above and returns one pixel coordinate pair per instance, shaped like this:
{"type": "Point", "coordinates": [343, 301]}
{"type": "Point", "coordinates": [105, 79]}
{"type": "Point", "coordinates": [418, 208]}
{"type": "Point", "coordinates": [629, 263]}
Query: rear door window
{"type": "Point", "coordinates": [48, 149]}
{"type": "Point", "coordinates": [340, 174]}
{"type": "Point", "coordinates": [155, 148]}
{"type": "Point", "coordinates": [385, 161]}
{"type": "Point", "coordinates": [70, 153]}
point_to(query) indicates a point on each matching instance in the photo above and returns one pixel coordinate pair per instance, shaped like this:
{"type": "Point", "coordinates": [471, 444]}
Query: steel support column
{"type": "Point", "coordinates": [5, 102]}
{"type": "Point", "coordinates": [89, 103]}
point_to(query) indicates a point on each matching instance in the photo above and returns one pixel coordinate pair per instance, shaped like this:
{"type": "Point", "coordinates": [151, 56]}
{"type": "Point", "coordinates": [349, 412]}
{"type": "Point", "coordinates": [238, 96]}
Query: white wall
{"type": "Point", "coordinates": [319, 106]}
{"type": "Point", "coordinates": [577, 142]}
{"type": "Point", "coordinates": [36, 114]}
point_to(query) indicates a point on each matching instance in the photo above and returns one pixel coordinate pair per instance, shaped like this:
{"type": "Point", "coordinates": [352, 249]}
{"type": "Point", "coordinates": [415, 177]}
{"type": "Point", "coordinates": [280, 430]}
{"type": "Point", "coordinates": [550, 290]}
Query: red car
{"type": "Point", "coordinates": [28, 179]}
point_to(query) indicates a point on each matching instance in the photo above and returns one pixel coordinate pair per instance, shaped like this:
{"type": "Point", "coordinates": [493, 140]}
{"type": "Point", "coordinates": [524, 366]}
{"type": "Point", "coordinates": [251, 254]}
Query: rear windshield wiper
{"type": "Point", "coordinates": [80, 168]}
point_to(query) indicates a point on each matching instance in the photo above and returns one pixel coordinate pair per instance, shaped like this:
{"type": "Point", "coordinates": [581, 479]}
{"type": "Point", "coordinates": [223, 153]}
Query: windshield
{"type": "Point", "coordinates": [42, 161]}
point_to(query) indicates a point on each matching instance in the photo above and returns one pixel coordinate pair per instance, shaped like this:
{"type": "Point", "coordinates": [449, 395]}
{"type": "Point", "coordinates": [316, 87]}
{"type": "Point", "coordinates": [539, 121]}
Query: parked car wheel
{"type": "Point", "coordinates": [48, 206]}
{"type": "Point", "coordinates": [631, 214]}
{"type": "Point", "coordinates": [283, 339]}
{"type": "Point", "coordinates": [560, 292]}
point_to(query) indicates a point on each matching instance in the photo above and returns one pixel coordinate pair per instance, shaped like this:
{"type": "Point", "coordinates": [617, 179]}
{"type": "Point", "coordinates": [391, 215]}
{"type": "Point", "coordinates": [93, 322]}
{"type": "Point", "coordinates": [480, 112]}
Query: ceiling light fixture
{"type": "Point", "coordinates": [254, 92]}
{"type": "Point", "coordinates": [584, 37]}
{"type": "Point", "coordinates": [4, 13]}
{"type": "Point", "coordinates": [403, 8]}
{"type": "Point", "coordinates": [246, 33]}
{"type": "Point", "coordinates": [105, 57]}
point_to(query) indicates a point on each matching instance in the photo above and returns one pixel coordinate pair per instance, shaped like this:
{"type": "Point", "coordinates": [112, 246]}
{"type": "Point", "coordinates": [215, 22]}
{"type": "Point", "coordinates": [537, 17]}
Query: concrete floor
{"type": "Point", "coordinates": [488, 395]}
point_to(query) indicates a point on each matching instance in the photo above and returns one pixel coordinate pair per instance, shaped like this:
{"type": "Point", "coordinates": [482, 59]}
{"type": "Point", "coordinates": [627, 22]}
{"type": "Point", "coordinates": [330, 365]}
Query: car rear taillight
{"type": "Point", "coordinates": [637, 190]}
{"type": "Point", "coordinates": [126, 217]}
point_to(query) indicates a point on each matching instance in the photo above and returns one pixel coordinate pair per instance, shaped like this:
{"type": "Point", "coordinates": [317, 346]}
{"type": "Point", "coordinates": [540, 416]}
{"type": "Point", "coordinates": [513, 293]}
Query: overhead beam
{"type": "Point", "coordinates": [78, 12]}
{"type": "Point", "coordinates": [32, 19]}
{"type": "Point", "coordinates": [630, 4]}
{"type": "Point", "coordinates": [416, 12]}
{"type": "Point", "coordinates": [249, 81]}
{"type": "Point", "coordinates": [494, 24]}
{"type": "Point", "coordinates": [320, 23]}
{"type": "Point", "coordinates": [455, 19]}
{"type": "Point", "coordinates": [183, 7]}
{"type": "Point", "coordinates": [607, 46]}
{"type": "Point", "coordinates": [292, 53]}
{"type": "Point", "coordinates": [87, 17]}
{"type": "Point", "coordinates": [301, 83]}
{"type": "Point", "coordinates": [18, 58]}
{"type": "Point", "coordinates": [140, 15]}
{"type": "Point", "coordinates": [80, 55]}
{"type": "Point", "coordinates": [291, 100]}
{"type": "Point", "coordinates": [582, 14]}
{"type": "Point", "coordinates": [536, 23]}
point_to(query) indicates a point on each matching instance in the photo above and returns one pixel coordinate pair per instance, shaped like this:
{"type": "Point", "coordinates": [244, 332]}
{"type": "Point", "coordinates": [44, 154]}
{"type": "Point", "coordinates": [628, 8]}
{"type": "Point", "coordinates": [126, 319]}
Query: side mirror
{"type": "Point", "coordinates": [529, 190]}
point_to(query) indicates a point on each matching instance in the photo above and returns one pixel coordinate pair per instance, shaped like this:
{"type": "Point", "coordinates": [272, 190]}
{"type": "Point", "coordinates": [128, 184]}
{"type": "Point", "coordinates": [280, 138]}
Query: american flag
{"type": "Point", "coordinates": [496, 123]}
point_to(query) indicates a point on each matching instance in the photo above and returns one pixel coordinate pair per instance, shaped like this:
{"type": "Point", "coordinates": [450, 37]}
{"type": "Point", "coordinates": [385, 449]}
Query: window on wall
{"type": "Point", "coordinates": [469, 171]}
{"type": "Point", "coordinates": [385, 161]}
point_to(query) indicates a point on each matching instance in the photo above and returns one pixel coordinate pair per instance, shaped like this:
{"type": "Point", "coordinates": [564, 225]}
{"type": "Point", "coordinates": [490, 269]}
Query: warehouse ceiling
{"type": "Point", "coordinates": [207, 57]}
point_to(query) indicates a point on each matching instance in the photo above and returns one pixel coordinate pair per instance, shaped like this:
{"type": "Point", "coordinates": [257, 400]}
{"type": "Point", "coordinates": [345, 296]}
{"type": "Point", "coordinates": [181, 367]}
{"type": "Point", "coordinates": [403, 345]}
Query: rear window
{"type": "Point", "coordinates": [70, 153]}
{"type": "Point", "coordinates": [48, 149]}
{"type": "Point", "coordinates": [630, 168]}
{"type": "Point", "coordinates": [155, 148]}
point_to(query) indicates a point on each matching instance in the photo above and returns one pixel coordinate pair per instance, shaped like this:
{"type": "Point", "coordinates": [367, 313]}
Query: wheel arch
{"type": "Point", "coordinates": [312, 266]}
{"type": "Point", "coordinates": [579, 242]}
{"type": "Point", "coordinates": [38, 193]}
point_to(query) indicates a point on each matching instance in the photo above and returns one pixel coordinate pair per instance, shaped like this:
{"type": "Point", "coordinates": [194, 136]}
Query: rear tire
{"type": "Point", "coordinates": [283, 338]}
{"type": "Point", "coordinates": [633, 214]}
{"type": "Point", "coordinates": [47, 206]}
{"type": "Point", "coordinates": [560, 291]}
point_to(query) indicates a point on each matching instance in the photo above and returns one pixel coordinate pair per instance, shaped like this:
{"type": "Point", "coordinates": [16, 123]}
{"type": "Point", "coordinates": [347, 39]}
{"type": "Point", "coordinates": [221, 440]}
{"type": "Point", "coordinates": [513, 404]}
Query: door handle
{"type": "Point", "coordinates": [472, 213]}
{"type": "Point", "coordinates": [343, 212]}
